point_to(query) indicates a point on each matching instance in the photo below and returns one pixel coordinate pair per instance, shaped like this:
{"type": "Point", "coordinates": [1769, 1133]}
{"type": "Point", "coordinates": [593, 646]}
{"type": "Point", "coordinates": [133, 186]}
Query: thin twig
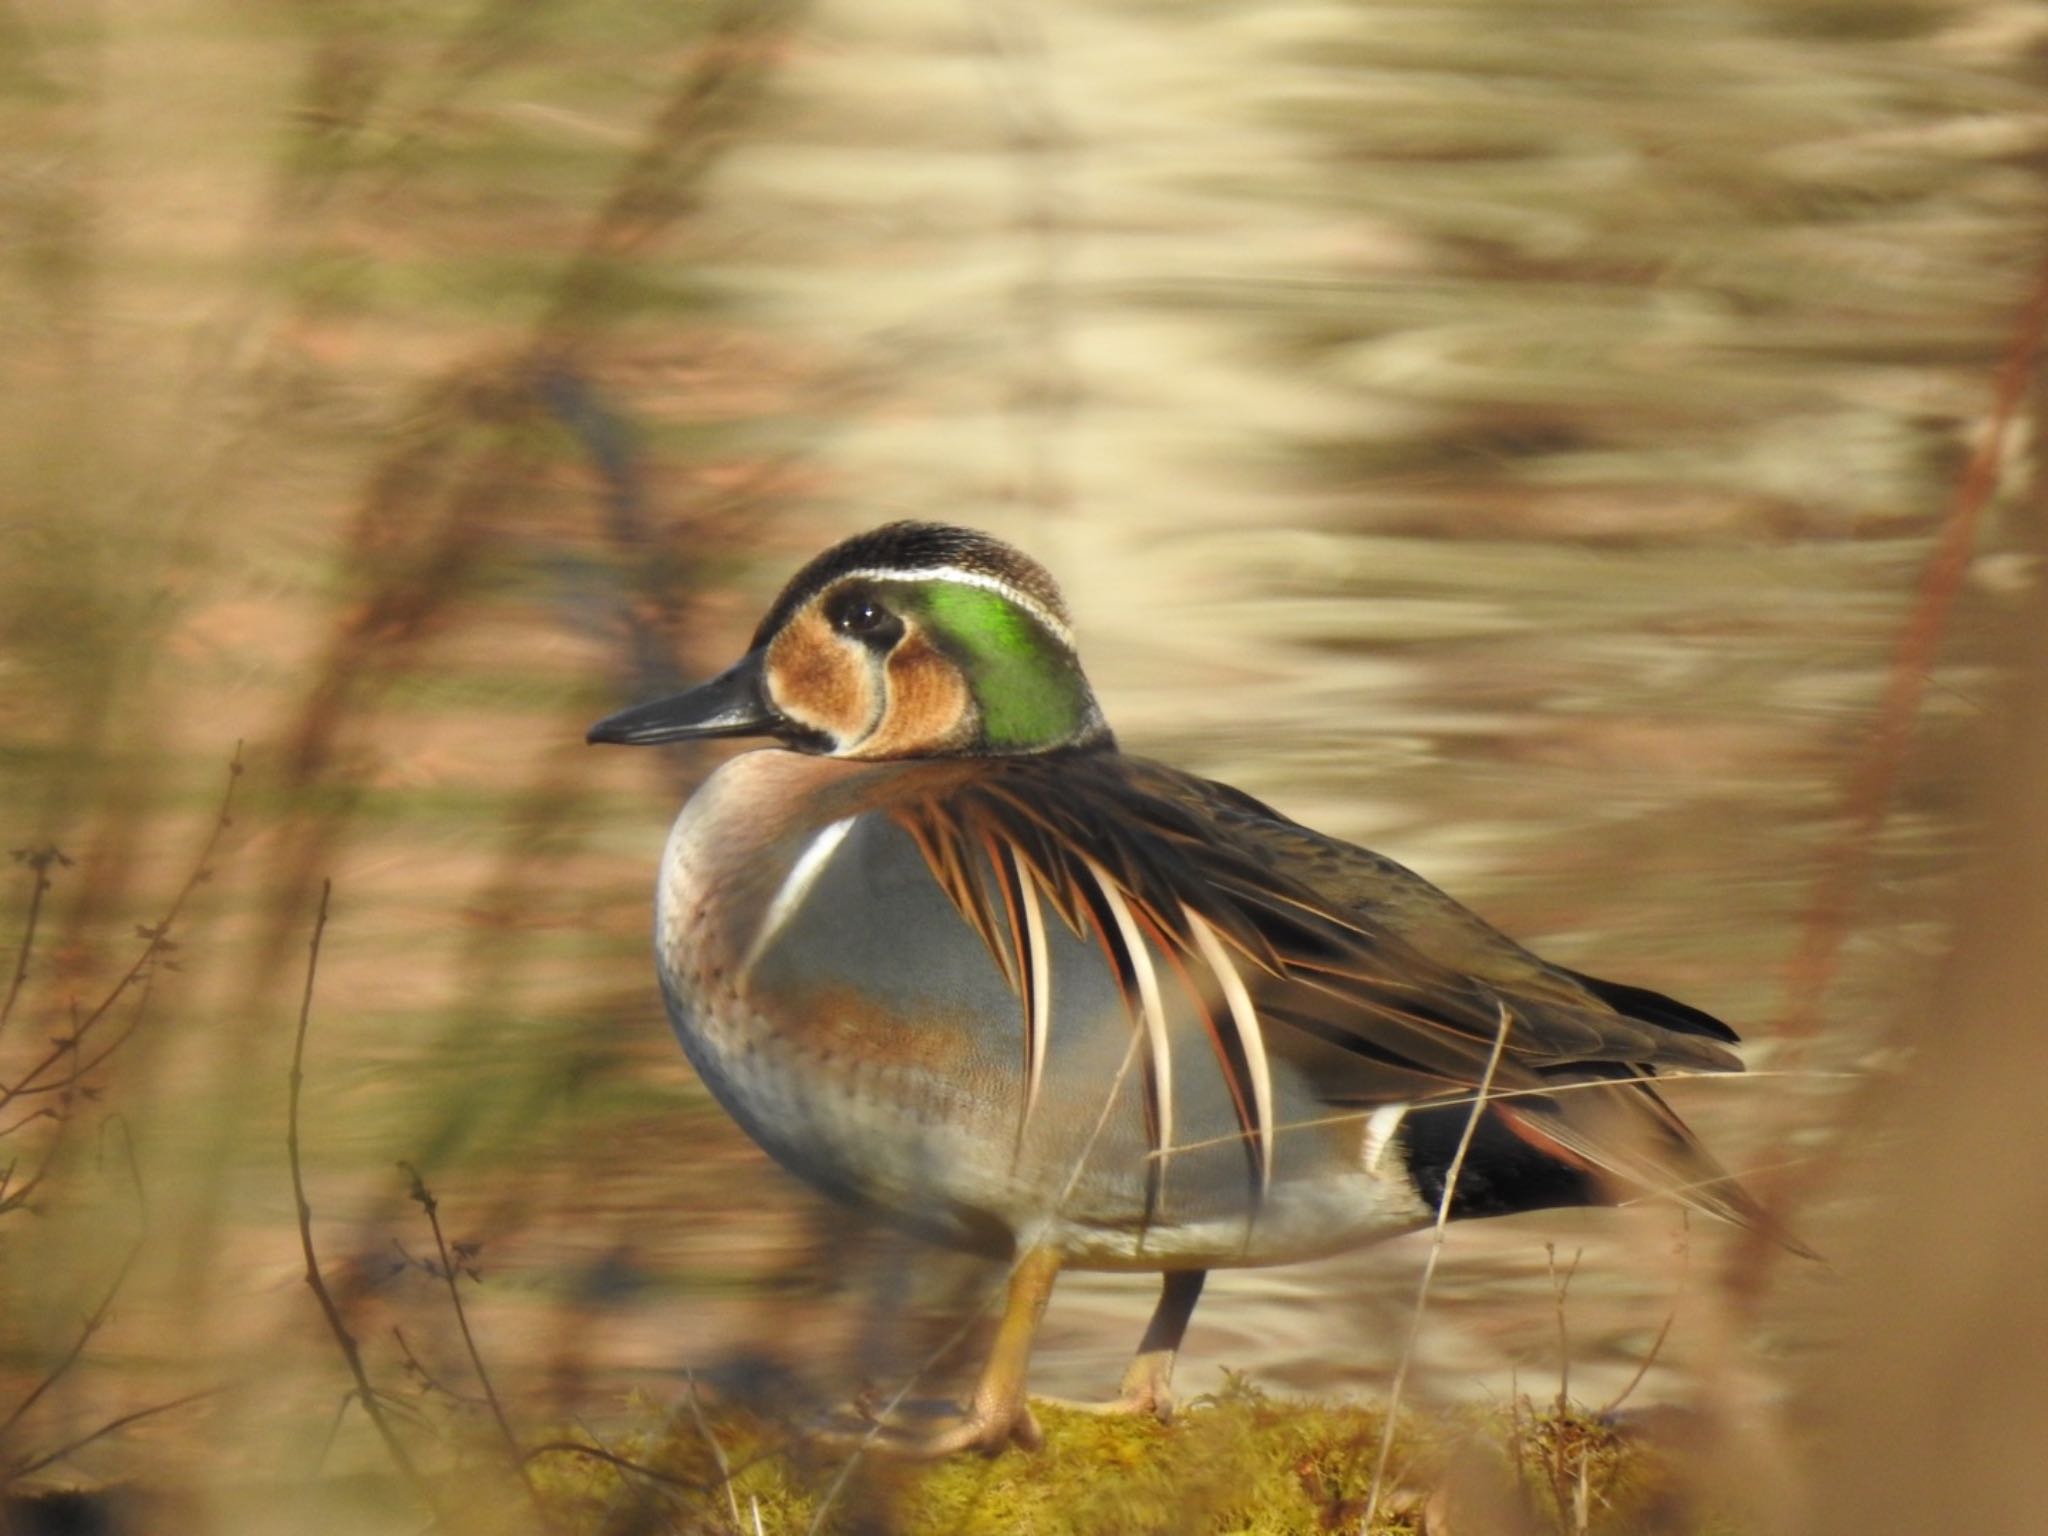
{"type": "Point", "coordinates": [400, 1456]}
{"type": "Point", "coordinates": [952, 1341]}
{"type": "Point", "coordinates": [428, 1379]}
{"type": "Point", "coordinates": [23, 1124]}
{"type": "Point", "coordinates": [156, 942]}
{"type": "Point", "coordinates": [1563, 1444]}
{"type": "Point", "coordinates": [30, 1468]}
{"type": "Point", "coordinates": [1436, 1248]}
{"type": "Point", "coordinates": [92, 1325]}
{"type": "Point", "coordinates": [1542, 1091]}
{"type": "Point", "coordinates": [1517, 1445]}
{"type": "Point", "coordinates": [1741, 1175]}
{"type": "Point", "coordinates": [424, 1197]}
{"type": "Point", "coordinates": [1643, 1366]}
{"type": "Point", "coordinates": [624, 1464]}
{"type": "Point", "coordinates": [119, 1122]}
{"type": "Point", "coordinates": [333, 1430]}
{"type": "Point", "coordinates": [396, 1405]}
{"type": "Point", "coordinates": [39, 861]}
{"type": "Point", "coordinates": [1663, 1333]}
{"type": "Point", "coordinates": [85, 1068]}
{"type": "Point", "coordinates": [53, 1147]}
{"type": "Point", "coordinates": [1564, 1340]}
{"type": "Point", "coordinates": [1868, 798]}
{"type": "Point", "coordinates": [717, 1450]}
{"type": "Point", "coordinates": [11, 1198]}
{"type": "Point", "coordinates": [98, 1317]}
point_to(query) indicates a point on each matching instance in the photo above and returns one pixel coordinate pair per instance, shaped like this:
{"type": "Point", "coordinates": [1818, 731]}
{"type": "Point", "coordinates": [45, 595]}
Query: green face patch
{"type": "Point", "coordinates": [1027, 685]}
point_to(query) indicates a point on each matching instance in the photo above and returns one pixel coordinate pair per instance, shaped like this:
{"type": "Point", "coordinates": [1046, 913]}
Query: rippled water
{"type": "Point", "coordinates": [1511, 439]}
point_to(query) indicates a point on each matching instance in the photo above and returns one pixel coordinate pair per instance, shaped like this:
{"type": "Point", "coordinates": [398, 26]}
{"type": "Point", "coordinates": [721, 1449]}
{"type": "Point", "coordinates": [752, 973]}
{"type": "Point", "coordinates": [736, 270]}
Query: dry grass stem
{"type": "Point", "coordinates": [1560, 1286]}
{"type": "Point", "coordinates": [959, 1334]}
{"type": "Point", "coordinates": [717, 1450]}
{"type": "Point", "coordinates": [1868, 798]}
{"type": "Point", "coordinates": [1543, 1091]}
{"type": "Point", "coordinates": [1656, 1348]}
{"type": "Point", "coordinates": [1436, 1248]}
{"type": "Point", "coordinates": [612, 1459]}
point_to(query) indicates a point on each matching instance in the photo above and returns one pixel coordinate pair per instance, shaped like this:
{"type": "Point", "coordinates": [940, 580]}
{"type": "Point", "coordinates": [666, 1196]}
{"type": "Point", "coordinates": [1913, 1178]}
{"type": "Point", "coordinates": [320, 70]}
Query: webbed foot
{"type": "Point", "coordinates": [1147, 1389]}
{"type": "Point", "coordinates": [997, 1417]}
{"type": "Point", "coordinates": [926, 1432]}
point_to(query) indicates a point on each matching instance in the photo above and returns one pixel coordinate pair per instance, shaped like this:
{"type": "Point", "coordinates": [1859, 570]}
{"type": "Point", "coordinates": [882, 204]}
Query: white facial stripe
{"type": "Point", "coordinates": [1380, 1127]}
{"type": "Point", "coordinates": [796, 885]}
{"type": "Point", "coordinates": [981, 579]}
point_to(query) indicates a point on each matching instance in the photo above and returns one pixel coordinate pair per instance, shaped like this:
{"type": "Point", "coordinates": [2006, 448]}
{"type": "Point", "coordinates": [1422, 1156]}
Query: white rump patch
{"type": "Point", "coordinates": [1380, 1127]}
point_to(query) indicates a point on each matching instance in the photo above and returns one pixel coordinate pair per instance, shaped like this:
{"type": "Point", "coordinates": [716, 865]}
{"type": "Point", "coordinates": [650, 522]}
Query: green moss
{"type": "Point", "coordinates": [1240, 1463]}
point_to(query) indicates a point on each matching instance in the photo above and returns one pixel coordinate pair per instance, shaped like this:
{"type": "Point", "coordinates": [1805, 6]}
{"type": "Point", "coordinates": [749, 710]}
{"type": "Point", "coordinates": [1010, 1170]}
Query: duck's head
{"type": "Point", "coordinates": [913, 640]}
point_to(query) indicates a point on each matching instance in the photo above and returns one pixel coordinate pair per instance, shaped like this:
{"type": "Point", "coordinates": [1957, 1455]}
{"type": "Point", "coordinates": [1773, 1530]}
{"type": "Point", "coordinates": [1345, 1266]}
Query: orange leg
{"type": "Point", "coordinates": [997, 1414]}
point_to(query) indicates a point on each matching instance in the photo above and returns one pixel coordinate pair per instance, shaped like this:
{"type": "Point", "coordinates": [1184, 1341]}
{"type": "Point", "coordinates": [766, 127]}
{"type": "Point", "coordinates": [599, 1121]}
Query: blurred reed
{"type": "Point", "coordinates": [1511, 435]}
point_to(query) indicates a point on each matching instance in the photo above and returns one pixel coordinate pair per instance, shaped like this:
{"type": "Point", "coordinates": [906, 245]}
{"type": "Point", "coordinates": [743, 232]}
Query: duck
{"type": "Point", "coordinates": [949, 954]}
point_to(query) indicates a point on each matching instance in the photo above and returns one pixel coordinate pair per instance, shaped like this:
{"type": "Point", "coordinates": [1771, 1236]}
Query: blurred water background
{"type": "Point", "coordinates": [1507, 434]}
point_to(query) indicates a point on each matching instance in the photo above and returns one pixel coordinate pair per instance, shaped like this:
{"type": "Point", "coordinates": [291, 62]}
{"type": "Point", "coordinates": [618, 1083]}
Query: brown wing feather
{"type": "Point", "coordinates": [1359, 970]}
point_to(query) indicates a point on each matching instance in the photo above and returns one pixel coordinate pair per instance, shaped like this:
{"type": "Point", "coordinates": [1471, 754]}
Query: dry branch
{"type": "Point", "coordinates": [51, 1458]}
{"type": "Point", "coordinates": [609, 1458]}
{"type": "Point", "coordinates": [157, 943]}
{"type": "Point", "coordinates": [424, 1197]}
{"type": "Point", "coordinates": [39, 861]}
{"type": "Point", "coordinates": [343, 1339]}
{"type": "Point", "coordinates": [92, 1325]}
{"type": "Point", "coordinates": [1869, 796]}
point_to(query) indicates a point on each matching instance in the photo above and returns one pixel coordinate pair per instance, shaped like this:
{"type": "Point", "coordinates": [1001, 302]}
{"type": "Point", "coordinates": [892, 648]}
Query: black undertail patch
{"type": "Point", "coordinates": [1503, 1172]}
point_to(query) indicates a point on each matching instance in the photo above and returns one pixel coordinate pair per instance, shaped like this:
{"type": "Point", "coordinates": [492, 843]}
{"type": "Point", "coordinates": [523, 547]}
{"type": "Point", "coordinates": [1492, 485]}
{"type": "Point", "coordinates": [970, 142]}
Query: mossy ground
{"type": "Point", "coordinates": [1240, 1462]}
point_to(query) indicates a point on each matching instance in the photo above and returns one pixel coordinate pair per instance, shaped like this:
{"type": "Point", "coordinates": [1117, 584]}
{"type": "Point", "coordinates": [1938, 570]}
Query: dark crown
{"type": "Point", "coordinates": [914, 547]}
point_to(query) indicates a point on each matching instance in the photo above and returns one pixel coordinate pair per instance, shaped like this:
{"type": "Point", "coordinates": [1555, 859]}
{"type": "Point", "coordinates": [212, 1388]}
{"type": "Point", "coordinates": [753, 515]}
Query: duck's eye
{"type": "Point", "coordinates": [856, 612]}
